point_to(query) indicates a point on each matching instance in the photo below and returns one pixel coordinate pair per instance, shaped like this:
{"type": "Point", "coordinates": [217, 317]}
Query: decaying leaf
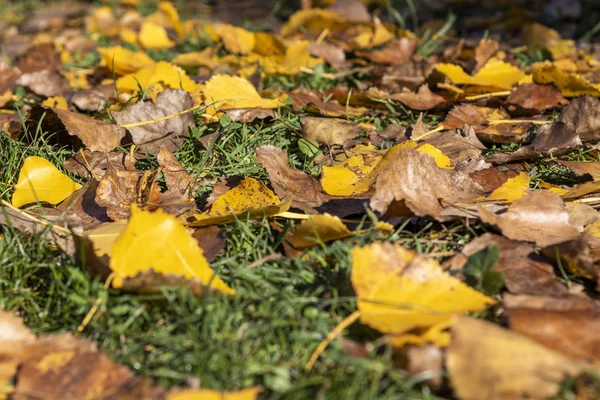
{"type": "Point", "coordinates": [582, 115]}
{"type": "Point", "coordinates": [408, 296]}
{"type": "Point", "coordinates": [329, 131]}
{"type": "Point", "coordinates": [39, 180]}
{"type": "Point", "coordinates": [485, 361]}
{"type": "Point", "coordinates": [533, 98]}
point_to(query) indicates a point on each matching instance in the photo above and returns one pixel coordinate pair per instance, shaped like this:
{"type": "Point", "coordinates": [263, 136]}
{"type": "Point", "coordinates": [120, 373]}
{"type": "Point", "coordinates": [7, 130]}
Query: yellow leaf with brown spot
{"type": "Point", "coordinates": [235, 39]}
{"type": "Point", "coordinates": [409, 296]}
{"type": "Point", "coordinates": [153, 36]}
{"type": "Point", "coordinates": [249, 199]}
{"type": "Point", "coordinates": [228, 92]}
{"type": "Point", "coordinates": [40, 180]}
{"type": "Point", "coordinates": [511, 190]}
{"type": "Point", "coordinates": [158, 241]}
{"type": "Point", "coordinates": [495, 73]}
{"type": "Point", "coordinates": [209, 394]}
{"type": "Point", "coordinates": [168, 75]}
{"type": "Point", "coordinates": [570, 84]}
{"type": "Point", "coordinates": [56, 102]}
{"type": "Point", "coordinates": [124, 61]}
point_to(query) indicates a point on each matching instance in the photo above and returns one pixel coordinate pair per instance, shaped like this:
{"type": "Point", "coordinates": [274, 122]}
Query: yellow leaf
{"type": "Point", "coordinates": [296, 59]}
{"type": "Point", "coordinates": [39, 180]}
{"type": "Point", "coordinates": [103, 22]}
{"type": "Point", "coordinates": [495, 73]}
{"type": "Point", "coordinates": [268, 44]}
{"type": "Point", "coordinates": [314, 20]}
{"type": "Point", "coordinates": [77, 78]}
{"type": "Point", "coordinates": [440, 158]}
{"type": "Point", "coordinates": [249, 199]}
{"type": "Point", "coordinates": [511, 190]}
{"type": "Point", "coordinates": [56, 102]}
{"type": "Point", "coordinates": [399, 291]}
{"type": "Point", "coordinates": [319, 229]}
{"type": "Point", "coordinates": [378, 36]}
{"type": "Point", "coordinates": [128, 35]}
{"type": "Point", "coordinates": [158, 241]}
{"type": "Point", "coordinates": [103, 237]}
{"type": "Point", "coordinates": [236, 40]}
{"type": "Point", "coordinates": [153, 36]}
{"type": "Point", "coordinates": [124, 61]}
{"type": "Point", "coordinates": [569, 83]}
{"type": "Point", "coordinates": [208, 394]}
{"type": "Point", "coordinates": [168, 75]}
{"type": "Point", "coordinates": [171, 12]}
{"type": "Point", "coordinates": [553, 188]}
{"type": "Point", "coordinates": [202, 58]}
{"type": "Point", "coordinates": [234, 92]}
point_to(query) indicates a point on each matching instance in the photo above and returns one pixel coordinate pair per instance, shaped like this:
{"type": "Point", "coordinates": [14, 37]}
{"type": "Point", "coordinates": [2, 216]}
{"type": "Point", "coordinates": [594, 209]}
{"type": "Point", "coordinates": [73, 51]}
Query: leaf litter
{"type": "Point", "coordinates": [147, 145]}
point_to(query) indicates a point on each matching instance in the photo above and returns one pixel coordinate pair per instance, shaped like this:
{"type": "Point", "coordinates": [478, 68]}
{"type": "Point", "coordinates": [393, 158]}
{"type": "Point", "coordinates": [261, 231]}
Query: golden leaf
{"type": "Point", "coordinates": [399, 291]}
{"type": "Point", "coordinates": [168, 75]}
{"type": "Point", "coordinates": [124, 61]}
{"type": "Point", "coordinates": [319, 229]}
{"type": "Point", "coordinates": [153, 36]}
{"type": "Point", "coordinates": [102, 21]}
{"type": "Point", "coordinates": [570, 84]}
{"type": "Point", "coordinates": [158, 241]}
{"type": "Point", "coordinates": [234, 92]}
{"type": "Point", "coordinates": [171, 12]}
{"type": "Point", "coordinates": [56, 102]}
{"type": "Point", "coordinates": [40, 180]}
{"type": "Point", "coordinates": [236, 40]}
{"type": "Point", "coordinates": [495, 73]}
{"type": "Point", "coordinates": [249, 199]}
{"type": "Point", "coordinates": [209, 394]}
{"type": "Point", "coordinates": [511, 190]}
{"type": "Point", "coordinates": [314, 20]}
{"type": "Point", "coordinates": [202, 58]}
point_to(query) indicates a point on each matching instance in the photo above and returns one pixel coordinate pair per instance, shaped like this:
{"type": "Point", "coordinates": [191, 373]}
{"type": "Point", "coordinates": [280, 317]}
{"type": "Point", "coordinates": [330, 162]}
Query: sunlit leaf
{"type": "Point", "coordinates": [495, 74]}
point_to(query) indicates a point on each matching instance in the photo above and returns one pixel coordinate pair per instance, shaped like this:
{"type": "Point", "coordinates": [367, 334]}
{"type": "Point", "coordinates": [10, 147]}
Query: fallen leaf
{"type": "Point", "coordinates": [176, 177]}
{"type": "Point", "coordinates": [532, 98]}
{"type": "Point", "coordinates": [458, 144]}
{"type": "Point", "coordinates": [209, 394]}
{"type": "Point", "coordinates": [163, 73]}
{"type": "Point", "coordinates": [484, 51]}
{"type": "Point", "coordinates": [583, 168]}
{"type": "Point", "coordinates": [304, 190]}
{"type": "Point", "coordinates": [123, 61]}
{"type": "Point", "coordinates": [235, 39]}
{"type": "Point", "coordinates": [39, 180]}
{"type": "Point", "coordinates": [157, 241]}
{"type": "Point", "coordinates": [329, 131]}
{"type": "Point", "coordinates": [250, 199]}
{"type": "Point", "coordinates": [582, 115]}
{"type": "Point", "coordinates": [93, 164]}
{"type": "Point", "coordinates": [424, 99]}
{"type": "Point", "coordinates": [395, 52]}
{"type": "Point", "coordinates": [47, 83]}
{"type": "Point", "coordinates": [540, 217]}
{"type": "Point", "coordinates": [57, 102]}
{"type": "Point", "coordinates": [555, 139]}
{"type": "Point", "coordinates": [331, 108]}
{"type": "Point", "coordinates": [211, 240]}
{"type": "Point", "coordinates": [39, 57]}
{"type": "Point", "coordinates": [580, 255]}
{"type": "Point", "coordinates": [153, 36]}
{"type": "Point", "coordinates": [494, 73]}
{"type": "Point", "coordinates": [319, 229]}
{"type": "Point", "coordinates": [399, 291]}
{"type": "Point", "coordinates": [486, 361]}
{"type": "Point", "coordinates": [415, 178]}
{"type": "Point", "coordinates": [569, 83]}
{"type": "Point", "coordinates": [314, 20]}
{"type": "Point", "coordinates": [168, 133]}
{"type": "Point", "coordinates": [224, 92]}
{"type": "Point", "coordinates": [246, 115]}
{"type": "Point", "coordinates": [94, 134]}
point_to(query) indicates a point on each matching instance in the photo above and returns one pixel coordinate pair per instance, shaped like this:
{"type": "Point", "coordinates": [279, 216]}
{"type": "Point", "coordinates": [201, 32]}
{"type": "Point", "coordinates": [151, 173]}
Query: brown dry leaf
{"type": "Point", "coordinates": [48, 82]}
{"type": "Point", "coordinates": [395, 52]}
{"type": "Point", "coordinates": [329, 131]}
{"type": "Point", "coordinates": [176, 177]}
{"type": "Point", "coordinates": [80, 210]}
{"type": "Point", "coordinates": [94, 99]}
{"type": "Point", "coordinates": [485, 361]}
{"type": "Point", "coordinates": [524, 272]}
{"type": "Point", "coordinates": [580, 255]}
{"type": "Point", "coordinates": [331, 53]}
{"type": "Point", "coordinates": [39, 57]}
{"type": "Point", "coordinates": [540, 217]}
{"type": "Point", "coordinates": [168, 133]}
{"type": "Point", "coordinates": [410, 74]}
{"type": "Point", "coordinates": [52, 17]}
{"type": "Point", "coordinates": [480, 117]}
{"type": "Point", "coordinates": [583, 168]}
{"type": "Point", "coordinates": [94, 134]}
{"type": "Point", "coordinates": [532, 98]}
{"type": "Point", "coordinates": [583, 114]}
{"type": "Point", "coordinates": [414, 177]}
{"type": "Point", "coordinates": [484, 51]}
{"type": "Point", "coordinates": [305, 190]}
{"type": "Point", "coordinates": [423, 99]}
{"type": "Point", "coordinates": [93, 164]}
{"type": "Point", "coordinates": [458, 145]}
{"type": "Point", "coordinates": [246, 115]}
{"type": "Point", "coordinates": [311, 102]}
{"type": "Point", "coordinates": [211, 239]}
{"type": "Point", "coordinates": [555, 139]}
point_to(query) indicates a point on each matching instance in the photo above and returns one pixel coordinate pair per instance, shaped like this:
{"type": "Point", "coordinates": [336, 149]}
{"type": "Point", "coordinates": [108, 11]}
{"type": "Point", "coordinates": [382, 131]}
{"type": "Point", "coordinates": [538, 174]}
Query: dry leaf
{"type": "Point", "coordinates": [311, 102]}
{"type": "Point", "coordinates": [329, 131]}
{"type": "Point", "coordinates": [162, 73]}
{"type": "Point", "coordinates": [423, 99]}
{"type": "Point", "coordinates": [155, 37]}
{"type": "Point", "coordinates": [123, 61]}
{"type": "Point", "coordinates": [209, 394]}
{"type": "Point", "coordinates": [486, 361]}
{"type": "Point", "coordinates": [234, 92]}
{"type": "Point", "coordinates": [540, 217]}
{"type": "Point", "coordinates": [399, 291]}
{"type": "Point", "coordinates": [582, 115]}
{"type": "Point", "coordinates": [495, 74]}
{"type": "Point", "coordinates": [319, 229]}
{"type": "Point", "coordinates": [569, 83]}
{"type": "Point", "coordinates": [169, 133]}
{"type": "Point", "coordinates": [39, 180]}
{"type": "Point", "coordinates": [533, 98]}
{"type": "Point", "coordinates": [48, 82]}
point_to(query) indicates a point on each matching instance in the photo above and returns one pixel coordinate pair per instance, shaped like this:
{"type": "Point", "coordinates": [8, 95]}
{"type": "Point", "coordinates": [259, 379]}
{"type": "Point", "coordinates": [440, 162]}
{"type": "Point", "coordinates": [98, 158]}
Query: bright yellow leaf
{"type": "Point", "coordinates": [295, 60]}
{"type": "Point", "coordinates": [155, 37]}
{"type": "Point", "coordinates": [40, 180]}
{"type": "Point", "coordinates": [202, 58]}
{"type": "Point", "coordinates": [102, 21]}
{"type": "Point", "coordinates": [171, 12]}
{"type": "Point", "coordinates": [268, 44]}
{"type": "Point", "coordinates": [124, 61]}
{"type": "Point", "coordinates": [249, 199]}
{"type": "Point", "coordinates": [235, 39]}
{"type": "Point", "coordinates": [319, 229]}
{"type": "Point", "coordinates": [314, 20]}
{"type": "Point", "coordinates": [495, 73]}
{"type": "Point", "coordinates": [569, 83]}
{"type": "Point", "coordinates": [128, 35]}
{"type": "Point", "coordinates": [511, 190]}
{"type": "Point", "coordinates": [376, 37]}
{"type": "Point", "coordinates": [158, 241]}
{"type": "Point", "coordinates": [209, 394]}
{"type": "Point", "coordinates": [168, 75]}
{"type": "Point", "coordinates": [234, 92]}
{"type": "Point", "coordinates": [400, 291]}
{"type": "Point", "coordinates": [56, 102]}
{"type": "Point", "coordinates": [78, 79]}
{"type": "Point", "coordinates": [553, 188]}
{"type": "Point", "coordinates": [440, 158]}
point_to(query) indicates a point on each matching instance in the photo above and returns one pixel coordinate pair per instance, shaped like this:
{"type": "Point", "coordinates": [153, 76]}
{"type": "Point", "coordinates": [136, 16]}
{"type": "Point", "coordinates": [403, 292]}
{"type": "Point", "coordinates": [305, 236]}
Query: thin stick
{"type": "Point", "coordinates": [142, 123]}
{"type": "Point", "coordinates": [439, 128]}
{"type": "Point", "coordinates": [322, 36]}
{"type": "Point", "coordinates": [335, 332]}
{"type": "Point", "coordinates": [519, 121]}
{"type": "Point", "coordinates": [34, 219]}
{"type": "Point", "coordinates": [493, 94]}
{"type": "Point", "coordinates": [88, 317]}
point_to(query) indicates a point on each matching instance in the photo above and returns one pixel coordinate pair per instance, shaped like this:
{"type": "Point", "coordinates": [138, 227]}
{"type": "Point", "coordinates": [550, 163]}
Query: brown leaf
{"type": "Point", "coordinates": [329, 131]}
{"type": "Point", "coordinates": [212, 241]}
{"type": "Point", "coordinates": [485, 361]}
{"type": "Point", "coordinates": [305, 190]}
{"type": "Point", "coordinates": [580, 255]}
{"type": "Point", "coordinates": [395, 52]}
{"type": "Point", "coordinates": [168, 133]}
{"type": "Point", "coordinates": [490, 178]}
{"type": "Point", "coordinates": [94, 99]}
{"type": "Point", "coordinates": [39, 57]}
{"type": "Point", "coordinates": [569, 302]}
{"type": "Point", "coordinates": [246, 115]}
{"type": "Point", "coordinates": [583, 168]}
{"type": "Point", "coordinates": [410, 74]}
{"type": "Point", "coordinates": [351, 10]}
{"type": "Point", "coordinates": [48, 82]}
{"type": "Point", "coordinates": [422, 100]}
{"type": "Point", "coordinates": [80, 209]}
{"type": "Point", "coordinates": [312, 102]}
{"type": "Point", "coordinates": [556, 139]}
{"type": "Point", "coordinates": [540, 217]}
{"type": "Point", "coordinates": [99, 161]}
{"type": "Point", "coordinates": [331, 53]}
{"type": "Point", "coordinates": [176, 177]}
{"type": "Point", "coordinates": [52, 17]}
{"type": "Point", "coordinates": [484, 51]}
{"type": "Point", "coordinates": [76, 128]}
{"type": "Point", "coordinates": [532, 98]}
{"type": "Point", "coordinates": [583, 115]}
{"type": "Point", "coordinates": [458, 144]}
{"type": "Point", "coordinates": [524, 272]}
{"type": "Point", "coordinates": [414, 177]}
{"type": "Point", "coordinates": [8, 77]}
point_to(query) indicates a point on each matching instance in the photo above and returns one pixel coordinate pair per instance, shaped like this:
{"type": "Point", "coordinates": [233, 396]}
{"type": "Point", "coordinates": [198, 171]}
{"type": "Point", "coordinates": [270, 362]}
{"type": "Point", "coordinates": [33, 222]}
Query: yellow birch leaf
{"type": "Point", "coordinates": [236, 40]}
{"type": "Point", "coordinates": [295, 60]}
{"type": "Point", "coordinates": [511, 190]}
{"type": "Point", "coordinates": [124, 61]}
{"type": "Point", "coordinates": [553, 188]}
{"type": "Point", "coordinates": [234, 92]}
{"type": "Point", "coordinates": [103, 22]}
{"type": "Point", "coordinates": [128, 35]}
{"type": "Point", "coordinates": [495, 73]}
{"type": "Point", "coordinates": [202, 58]}
{"type": "Point", "coordinates": [268, 44]}
{"type": "Point", "coordinates": [153, 36]}
{"type": "Point", "coordinates": [168, 75]}
{"type": "Point", "coordinates": [56, 102]}
{"type": "Point", "coordinates": [569, 83]}
{"type": "Point", "coordinates": [314, 20]}
{"type": "Point", "coordinates": [171, 12]}
{"type": "Point", "coordinates": [40, 180]}
{"type": "Point", "coordinates": [440, 158]}
{"type": "Point", "coordinates": [400, 292]}
{"type": "Point", "coordinates": [158, 241]}
{"type": "Point", "coordinates": [209, 394]}
{"type": "Point", "coordinates": [78, 79]}
{"type": "Point", "coordinates": [249, 199]}
{"type": "Point", "coordinates": [378, 36]}
{"type": "Point", "coordinates": [321, 228]}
